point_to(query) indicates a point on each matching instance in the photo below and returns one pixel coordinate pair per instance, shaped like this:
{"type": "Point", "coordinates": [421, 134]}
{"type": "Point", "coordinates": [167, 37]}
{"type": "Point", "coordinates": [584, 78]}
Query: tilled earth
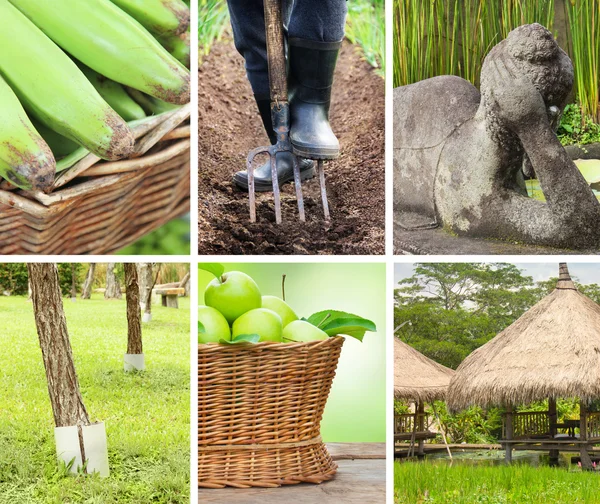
{"type": "Point", "coordinates": [229, 127]}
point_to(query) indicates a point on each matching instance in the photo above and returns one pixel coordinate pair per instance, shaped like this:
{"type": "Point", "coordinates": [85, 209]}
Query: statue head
{"type": "Point", "coordinates": [538, 57]}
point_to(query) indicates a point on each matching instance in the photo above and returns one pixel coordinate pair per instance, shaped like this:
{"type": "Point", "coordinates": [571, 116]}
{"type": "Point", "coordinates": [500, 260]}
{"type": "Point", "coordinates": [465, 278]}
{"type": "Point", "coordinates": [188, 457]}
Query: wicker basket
{"type": "Point", "coordinates": [259, 413]}
{"type": "Point", "coordinates": [99, 207]}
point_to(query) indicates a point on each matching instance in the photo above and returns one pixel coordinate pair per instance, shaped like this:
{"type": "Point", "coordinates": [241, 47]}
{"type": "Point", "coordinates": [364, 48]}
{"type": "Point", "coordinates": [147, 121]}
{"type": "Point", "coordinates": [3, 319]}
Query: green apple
{"type": "Point", "coordinates": [280, 307]}
{"type": "Point", "coordinates": [215, 325]}
{"type": "Point", "coordinates": [233, 294]}
{"type": "Point", "coordinates": [266, 323]}
{"type": "Point", "coordinates": [302, 331]}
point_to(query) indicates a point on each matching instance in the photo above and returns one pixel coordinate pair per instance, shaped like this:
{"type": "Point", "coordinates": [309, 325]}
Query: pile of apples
{"type": "Point", "coordinates": [236, 311]}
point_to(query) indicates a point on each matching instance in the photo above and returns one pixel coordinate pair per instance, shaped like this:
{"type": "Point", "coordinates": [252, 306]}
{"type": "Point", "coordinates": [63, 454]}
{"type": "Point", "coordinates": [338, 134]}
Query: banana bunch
{"type": "Point", "coordinates": [73, 73]}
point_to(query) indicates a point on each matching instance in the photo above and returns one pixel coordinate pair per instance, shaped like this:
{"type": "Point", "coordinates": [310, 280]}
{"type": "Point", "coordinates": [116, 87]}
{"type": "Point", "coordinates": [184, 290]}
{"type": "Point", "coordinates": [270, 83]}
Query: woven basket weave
{"type": "Point", "coordinates": [259, 413]}
{"type": "Point", "coordinates": [100, 207]}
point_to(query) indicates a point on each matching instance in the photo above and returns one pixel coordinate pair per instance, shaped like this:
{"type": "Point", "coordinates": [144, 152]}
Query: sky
{"type": "Point", "coordinates": [585, 273]}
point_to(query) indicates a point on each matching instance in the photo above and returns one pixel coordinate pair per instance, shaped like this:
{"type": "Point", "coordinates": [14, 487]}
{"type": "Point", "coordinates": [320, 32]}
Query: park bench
{"type": "Point", "coordinates": [169, 296]}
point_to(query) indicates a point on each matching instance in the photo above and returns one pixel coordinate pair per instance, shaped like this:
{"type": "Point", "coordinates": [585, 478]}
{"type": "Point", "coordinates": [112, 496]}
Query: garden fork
{"type": "Point", "coordinates": [280, 115]}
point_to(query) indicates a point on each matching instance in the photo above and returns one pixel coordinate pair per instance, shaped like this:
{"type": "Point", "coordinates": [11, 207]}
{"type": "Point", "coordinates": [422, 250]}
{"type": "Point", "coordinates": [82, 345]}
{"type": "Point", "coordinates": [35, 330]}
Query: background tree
{"type": "Point", "coordinates": [113, 289]}
{"type": "Point", "coordinates": [13, 278]}
{"type": "Point", "coordinates": [132, 295]}
{"type": "Point", "coordinates": [86, 292]}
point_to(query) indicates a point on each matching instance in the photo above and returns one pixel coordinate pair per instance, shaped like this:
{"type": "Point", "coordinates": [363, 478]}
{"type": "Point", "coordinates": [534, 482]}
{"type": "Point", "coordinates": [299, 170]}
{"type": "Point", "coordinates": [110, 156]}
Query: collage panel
{"type": "Point", "coordinates": [94, 392]}
{"type": "Point", "coordinates": [310, 110]}
{"type": "Point", "coordinates": [291, 382]}
{"type": "Point", "coordinates": [496, 393]}
{"type": "Point", "coordinates": [496, 127]}
{"type": "Point", "coordinates": [95, 134]}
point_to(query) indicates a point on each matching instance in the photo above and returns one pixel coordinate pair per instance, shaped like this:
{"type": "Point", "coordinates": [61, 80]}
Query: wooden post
{"type": "Point", "coordinates": [586, 461]}
{"type": "Point", "coordinates": [509, 434]}
{"type": "Point", "coordinates": [553, 419]}
{"type": "Point", "coordinates": [421, 428]}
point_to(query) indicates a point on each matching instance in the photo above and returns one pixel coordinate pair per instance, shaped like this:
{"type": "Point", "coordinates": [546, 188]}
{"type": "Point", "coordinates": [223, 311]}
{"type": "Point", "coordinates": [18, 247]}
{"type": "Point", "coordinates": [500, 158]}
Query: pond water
{"type": "Point", "coordinates": [496, 457]}
{"type": "Point", "coordinates": [589, 168]}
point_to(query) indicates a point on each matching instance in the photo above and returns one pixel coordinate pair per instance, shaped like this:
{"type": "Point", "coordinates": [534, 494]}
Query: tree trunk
{"type": "Point", "coordinates": [134, 325]}
{"type": "Point", "coordinates": [113, 289]}
{"type": "Point", "coordinates": [63, 386]}
{"type": "Point", "coordinates": [146, 282]}
{"type": "Point", "coordinates": [89, 281]}
{"type": "Point", "coordinates": [73, 283]}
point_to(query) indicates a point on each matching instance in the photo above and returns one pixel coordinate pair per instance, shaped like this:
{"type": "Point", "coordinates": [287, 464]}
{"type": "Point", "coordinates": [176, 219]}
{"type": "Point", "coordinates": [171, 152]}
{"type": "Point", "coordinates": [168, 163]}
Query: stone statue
{"type": "Point", "coordinates": [459, 154]}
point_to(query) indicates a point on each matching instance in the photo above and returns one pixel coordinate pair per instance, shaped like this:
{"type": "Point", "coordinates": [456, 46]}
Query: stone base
{"type": "Point", "coordinates": [439, 242]}
{"type": "Point", "coordinates": [94, 444]}
{"type": "Point", "coordinates": [134, 362]}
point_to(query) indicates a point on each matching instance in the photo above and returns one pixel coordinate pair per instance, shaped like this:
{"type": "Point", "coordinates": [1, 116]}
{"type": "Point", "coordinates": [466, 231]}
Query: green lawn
{"type": "Point", "coordinates": [438, 482]}
{"type": "Point", "coordinates": [146, 414]}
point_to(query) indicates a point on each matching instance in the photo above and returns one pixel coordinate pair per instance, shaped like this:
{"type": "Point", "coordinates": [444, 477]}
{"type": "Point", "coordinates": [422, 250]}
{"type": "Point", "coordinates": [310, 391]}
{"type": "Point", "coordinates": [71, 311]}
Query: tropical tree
{"type": "Point", "coordinates": [113, 289]}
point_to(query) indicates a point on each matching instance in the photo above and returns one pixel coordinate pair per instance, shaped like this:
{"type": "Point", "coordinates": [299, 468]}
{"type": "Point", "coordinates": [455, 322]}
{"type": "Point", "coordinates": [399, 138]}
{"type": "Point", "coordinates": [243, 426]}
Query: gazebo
{"type": "Point", "coordinates": [417, 379]}
{"type": "Point", "coordinates": [552, 351]}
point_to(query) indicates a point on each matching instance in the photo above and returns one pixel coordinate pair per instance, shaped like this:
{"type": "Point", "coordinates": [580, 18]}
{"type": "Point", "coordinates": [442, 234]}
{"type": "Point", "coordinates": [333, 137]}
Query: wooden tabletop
{"type": "Point", "coordinates": [360, 479]}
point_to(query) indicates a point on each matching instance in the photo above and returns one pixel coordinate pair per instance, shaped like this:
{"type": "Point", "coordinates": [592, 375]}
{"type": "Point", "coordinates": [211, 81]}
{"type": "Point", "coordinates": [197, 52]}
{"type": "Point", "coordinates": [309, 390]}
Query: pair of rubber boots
{"type": "Point", "coordinates": [311, 68]}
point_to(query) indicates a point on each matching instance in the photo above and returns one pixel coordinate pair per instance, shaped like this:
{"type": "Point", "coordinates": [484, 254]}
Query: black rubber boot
{"type": "Point", "coordinates": [312, 65]}
{"type": "Point", "coordinates": [263, 181]}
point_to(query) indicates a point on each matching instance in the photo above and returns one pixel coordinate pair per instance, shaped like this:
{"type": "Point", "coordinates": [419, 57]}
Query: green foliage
{"type": "Point", "coordinates": [452, 37]}
{"type": "Point", "coordinates": [443, 483]}
{"type": "Point", "coordinates": [14, 278]}
{"type": "Point", "coordinates": [335, 322]}
{"type": "Point", "coordinates": [147, 414]}
{"type": "Point", "coordinates": [576, 127]}
{"type": "Point", "coordinates": [171, 239]}
{"type": "Point", "coordinates": [212, 20]}
{"type": "Point", "coordinates": [473, 425]}
{"type": "Point", "coordinates": [453, 308]}
{"type": "Point", "coordinates": [65, 277]}
{"type": "Point", "coordinates": [366, 27]}
{"type": "Point", "coordinates": [215, 268]}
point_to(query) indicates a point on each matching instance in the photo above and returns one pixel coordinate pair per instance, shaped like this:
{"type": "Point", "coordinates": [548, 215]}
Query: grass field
{"type": "Point", "coordinates": [431, 482]}
{"type": "Point", "coordinates": [146, 414]}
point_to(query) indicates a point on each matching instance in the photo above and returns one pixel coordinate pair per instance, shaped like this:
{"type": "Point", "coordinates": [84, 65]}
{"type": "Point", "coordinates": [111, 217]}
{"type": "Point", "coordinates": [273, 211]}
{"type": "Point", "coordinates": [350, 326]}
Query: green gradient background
{"type": "Point", "coordinates": [355, 411]}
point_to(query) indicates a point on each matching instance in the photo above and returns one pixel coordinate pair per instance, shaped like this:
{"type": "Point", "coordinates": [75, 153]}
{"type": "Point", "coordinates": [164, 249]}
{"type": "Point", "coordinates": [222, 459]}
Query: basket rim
{"type": "Point", "coordinates": [272, 345]}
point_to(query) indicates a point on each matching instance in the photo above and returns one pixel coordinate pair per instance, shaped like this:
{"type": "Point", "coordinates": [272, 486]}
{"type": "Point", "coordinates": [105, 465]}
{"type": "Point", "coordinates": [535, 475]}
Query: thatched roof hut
{"type": "Point", "coordinates": [551, 351]}
{"type": "Point", "coordinates": [416, 377]}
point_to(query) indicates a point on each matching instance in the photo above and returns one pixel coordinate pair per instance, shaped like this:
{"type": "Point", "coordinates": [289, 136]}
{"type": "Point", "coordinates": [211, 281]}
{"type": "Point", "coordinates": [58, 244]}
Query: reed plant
{"type": "Point", "coordinates": [365, 26]}
{"type": "Point", "coordinates": [212, 20]}
{"type": "Point", "coordinates": [584, 48]}
{"type": "Point", "coordinates": [452, 37]}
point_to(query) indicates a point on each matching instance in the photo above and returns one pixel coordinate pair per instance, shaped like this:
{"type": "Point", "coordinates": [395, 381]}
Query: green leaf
{"type": "Point", "coordinates": [201, 328]}
{"type": "Point", "coordinates": [335, 322]}
{"type": "Point", "coordinates": [240, 339]}
{"type": "Point", "coordinates": [215, 268]}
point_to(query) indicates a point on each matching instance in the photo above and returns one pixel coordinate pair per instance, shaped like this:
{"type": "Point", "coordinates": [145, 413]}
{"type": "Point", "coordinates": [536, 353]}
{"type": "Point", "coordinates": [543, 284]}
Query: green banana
{"type": "Point", "coordinates": [59, 145]}
{"type": "Point", "coordinates": [161, 17]}
{"type": "Point", "coordinates": [51, 87]}
{"type": "Point", "coordinates": [151, 105]}
{"type": "Point", "coordinates": [178, 46]}
{"type": "Point", "coordinates": [25, 159]}
{"type": "Point", "coordinates": [112, 43]}
{"type": "Point", "coordinates": [114, 94]}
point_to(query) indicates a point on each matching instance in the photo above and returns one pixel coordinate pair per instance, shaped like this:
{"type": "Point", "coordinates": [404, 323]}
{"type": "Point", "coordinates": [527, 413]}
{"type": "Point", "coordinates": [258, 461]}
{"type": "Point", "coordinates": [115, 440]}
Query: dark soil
{"type": "Point", "coordinates": [229, 127]}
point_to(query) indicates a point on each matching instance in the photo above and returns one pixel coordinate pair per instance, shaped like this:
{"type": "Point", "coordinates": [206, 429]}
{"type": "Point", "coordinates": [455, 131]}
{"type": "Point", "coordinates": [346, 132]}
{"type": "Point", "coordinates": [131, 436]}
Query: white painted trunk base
{"type": "Point", "coordinates": [146, 317]}
{"type": "Point", "coordinates": [134, 362]}
{"type": "Point", "coordinates": [94, 444]}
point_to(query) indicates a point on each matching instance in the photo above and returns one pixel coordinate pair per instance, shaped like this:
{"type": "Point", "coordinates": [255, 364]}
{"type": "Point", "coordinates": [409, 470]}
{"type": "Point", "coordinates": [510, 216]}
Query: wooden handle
{"type": "Point", "coordinates": [275, 50]}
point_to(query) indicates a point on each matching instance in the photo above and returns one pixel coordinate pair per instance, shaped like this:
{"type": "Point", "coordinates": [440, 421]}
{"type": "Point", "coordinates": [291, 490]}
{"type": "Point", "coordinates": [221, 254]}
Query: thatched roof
{"type": "Point", "coordinates": [552, 350]}
{"type": "Point", "coordinates": [416, 377]}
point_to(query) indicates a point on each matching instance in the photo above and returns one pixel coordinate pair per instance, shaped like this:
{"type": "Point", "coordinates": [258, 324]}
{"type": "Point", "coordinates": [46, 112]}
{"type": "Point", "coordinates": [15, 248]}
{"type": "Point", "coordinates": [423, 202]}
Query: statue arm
{"type": "Point", "coordinates": [564, 187]}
